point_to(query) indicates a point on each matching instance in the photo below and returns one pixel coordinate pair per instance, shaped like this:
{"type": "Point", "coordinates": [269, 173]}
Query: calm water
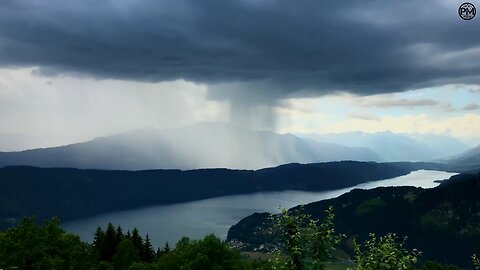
{"type": "Point", "coordinates": [198, 218]}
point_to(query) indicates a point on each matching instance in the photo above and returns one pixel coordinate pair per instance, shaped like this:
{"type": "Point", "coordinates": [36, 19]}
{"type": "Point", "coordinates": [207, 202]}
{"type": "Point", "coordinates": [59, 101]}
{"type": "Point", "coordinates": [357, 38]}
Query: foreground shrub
{"type": "Point", "coordinates": [384, 253]}
{"type": "Point", "coordinates": [305, 238]}
{"type": "Point", "coordinates": [29, 246]}
{"type": "Point", "coordinates": [476, 262]}
{"type": "Point", "coordinates": [209, 253]}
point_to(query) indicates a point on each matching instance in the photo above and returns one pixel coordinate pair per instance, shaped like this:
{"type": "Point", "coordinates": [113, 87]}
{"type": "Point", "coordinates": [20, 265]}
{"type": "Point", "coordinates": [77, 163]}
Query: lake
{"type": "Point", "coordinates": [169, 223]}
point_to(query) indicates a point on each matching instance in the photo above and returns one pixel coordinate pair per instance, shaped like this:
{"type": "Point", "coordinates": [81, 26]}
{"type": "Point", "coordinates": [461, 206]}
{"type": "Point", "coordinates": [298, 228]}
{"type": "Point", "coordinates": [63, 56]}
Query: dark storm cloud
{"type": "Point", "coordinates": [277, 48]}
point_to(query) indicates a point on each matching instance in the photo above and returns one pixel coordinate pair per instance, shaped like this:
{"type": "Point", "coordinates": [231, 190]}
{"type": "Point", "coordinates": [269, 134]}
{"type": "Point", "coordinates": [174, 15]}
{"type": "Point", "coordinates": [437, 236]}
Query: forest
{"type": "Point", "coordinates": [307, 243]}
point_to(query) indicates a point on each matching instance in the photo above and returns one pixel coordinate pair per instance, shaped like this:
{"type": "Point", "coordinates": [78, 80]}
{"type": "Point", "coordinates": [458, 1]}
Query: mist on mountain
{"type": "Point", "coordinates": [204, 145]}
{"type": "Point", "coordinates": [470, 159]}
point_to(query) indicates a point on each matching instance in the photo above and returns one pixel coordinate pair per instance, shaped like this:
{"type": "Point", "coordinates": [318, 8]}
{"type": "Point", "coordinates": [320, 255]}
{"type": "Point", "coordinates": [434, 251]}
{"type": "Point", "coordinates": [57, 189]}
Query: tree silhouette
{"type": "Point", "coordinates": [147, 253]}
{"type": "Point", "coordinates": [137, 239]}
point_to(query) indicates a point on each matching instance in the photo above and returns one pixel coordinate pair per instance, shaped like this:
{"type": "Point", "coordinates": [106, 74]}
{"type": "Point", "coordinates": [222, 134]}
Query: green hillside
{"type": "Point", "coordinates": [443, 222]}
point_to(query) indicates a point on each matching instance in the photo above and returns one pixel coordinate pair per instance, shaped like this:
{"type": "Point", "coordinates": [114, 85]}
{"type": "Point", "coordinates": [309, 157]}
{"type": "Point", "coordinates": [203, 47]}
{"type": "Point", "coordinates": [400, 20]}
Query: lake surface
{"type": "Point", "coordinates": [169, 223]}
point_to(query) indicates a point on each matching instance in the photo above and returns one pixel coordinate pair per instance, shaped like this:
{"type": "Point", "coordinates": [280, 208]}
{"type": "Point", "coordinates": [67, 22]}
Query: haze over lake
{"type": "Point", "coordinates": [169, 223]}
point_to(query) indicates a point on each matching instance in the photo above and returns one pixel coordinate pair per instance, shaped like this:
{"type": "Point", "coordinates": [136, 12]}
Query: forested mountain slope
{"type": "Point", "coordinates": [443, 222]}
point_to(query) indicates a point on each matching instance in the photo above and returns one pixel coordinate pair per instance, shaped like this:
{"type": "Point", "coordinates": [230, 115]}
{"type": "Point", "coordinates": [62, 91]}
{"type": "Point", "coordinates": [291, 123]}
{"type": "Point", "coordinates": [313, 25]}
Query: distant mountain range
{"type": "Point", "coordinates": [468, 160]}
{"type": "Point", "coordinates": [442, 222]}
{"type": "Point", "coordinates": [217, 145]}
{"type": "Point", "coordinates": [74, 193]}
{"type": "Point", "coordinates": [398, 147]}
{"type": "Point", "coordinates": [204, 145]}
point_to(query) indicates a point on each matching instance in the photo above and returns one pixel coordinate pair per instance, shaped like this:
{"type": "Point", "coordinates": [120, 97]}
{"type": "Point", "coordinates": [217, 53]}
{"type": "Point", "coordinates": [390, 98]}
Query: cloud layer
{"type": "Point", "coordinates": [272, 48]}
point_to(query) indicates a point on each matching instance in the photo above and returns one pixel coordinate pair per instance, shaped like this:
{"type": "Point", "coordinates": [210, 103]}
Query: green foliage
{"type": "Point", "coordinates": [103, 265]}
{"type": "Point", "coordinates": [323, 239]}
{"type": "Point", "coordinates": [290, 226]}
{"type": "Point", "coordinates": [209, 253]}
{"type": "Point", "coordinates": [29, 246]}
{"type": "Point", "coordinates": [384, 253]}
{"type": "Point", "coordinates": [438, 266]}
{"type": "Point", "coordinates": [476, 262]}
{"type": "Point", "coordinates": [369, 206]}
{"type": "Point", "coordinates": [308, 245]}
{"type": "Point", "coordinates": [434, 221]}
{"type": "Point", "coordinates": [125, 255]}
{"type": "Point", "coordinates": [141, 266]}
{"type": "Point", "coordinates": [305, 237]}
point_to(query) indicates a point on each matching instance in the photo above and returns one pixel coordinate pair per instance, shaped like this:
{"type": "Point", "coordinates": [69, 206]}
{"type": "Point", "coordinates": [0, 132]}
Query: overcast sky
{"type": "Point", "coordinates": [74, 70]}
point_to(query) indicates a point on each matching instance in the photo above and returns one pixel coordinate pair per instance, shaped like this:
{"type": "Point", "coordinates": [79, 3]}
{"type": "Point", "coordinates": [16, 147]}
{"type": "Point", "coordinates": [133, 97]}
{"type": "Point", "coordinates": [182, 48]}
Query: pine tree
{"type": "Point", "coordinates": [147, 251]}
{"type": "Point", "coordinates": [108, 249]}
{"type": "Point", "coordinates": [158, 253]}
{"type": "Point", "coordinates": [98, 238]}
{"type": "Point", "coordinates": [119, 235]}
{"type": "Point", "coordinates": [166, 249]}
{"type": "Point", "coordinates": [137, 239]}
{"type": "Point", "coordinates": [162, 251]}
